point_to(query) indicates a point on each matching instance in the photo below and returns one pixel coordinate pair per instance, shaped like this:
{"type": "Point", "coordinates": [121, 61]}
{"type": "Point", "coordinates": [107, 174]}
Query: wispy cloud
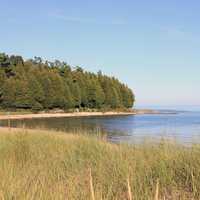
{"type": "Point", "coordinates": [82, 20]}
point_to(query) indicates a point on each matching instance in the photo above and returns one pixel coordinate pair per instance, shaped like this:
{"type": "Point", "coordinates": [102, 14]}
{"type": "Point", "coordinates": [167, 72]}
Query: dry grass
{"type": "Point", "coordinates": [42, 165]}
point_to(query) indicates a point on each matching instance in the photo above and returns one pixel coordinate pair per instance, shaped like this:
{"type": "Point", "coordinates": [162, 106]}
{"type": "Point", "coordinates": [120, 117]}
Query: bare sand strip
{"type": "Point", "coordinates": [56, 115]}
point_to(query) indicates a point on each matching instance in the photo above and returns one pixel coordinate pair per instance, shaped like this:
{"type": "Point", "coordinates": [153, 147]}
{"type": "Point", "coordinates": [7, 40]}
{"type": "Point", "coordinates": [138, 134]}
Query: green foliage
{"type": "Point", "coordinates": [36, 107]}
{"type": "Point", "coordinates": [36, 84]}
{"type": "Point", "coordinates": [2, 80]}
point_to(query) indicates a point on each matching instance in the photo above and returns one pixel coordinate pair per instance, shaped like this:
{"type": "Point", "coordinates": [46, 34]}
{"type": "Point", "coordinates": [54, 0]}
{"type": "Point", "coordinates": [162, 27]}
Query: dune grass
{"type": "Point", "coordinates": [51, 165]}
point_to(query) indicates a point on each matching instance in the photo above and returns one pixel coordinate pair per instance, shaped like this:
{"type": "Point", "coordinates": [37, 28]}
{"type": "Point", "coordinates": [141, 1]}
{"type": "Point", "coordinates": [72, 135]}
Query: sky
{"type": "Point", "coordinates": [153, 46]}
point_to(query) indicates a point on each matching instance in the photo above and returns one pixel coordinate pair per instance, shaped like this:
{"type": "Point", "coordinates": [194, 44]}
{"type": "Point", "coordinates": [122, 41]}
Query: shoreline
{"type": "Point", "coordinates": [77, 114]}
{"type": "Point", "coordinates": [60, 115]}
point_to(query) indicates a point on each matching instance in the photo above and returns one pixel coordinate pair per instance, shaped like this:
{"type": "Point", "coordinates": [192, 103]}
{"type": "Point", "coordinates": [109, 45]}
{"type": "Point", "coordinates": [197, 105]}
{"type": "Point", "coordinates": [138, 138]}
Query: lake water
{"type": "Point", "coordinates": [184, 127]}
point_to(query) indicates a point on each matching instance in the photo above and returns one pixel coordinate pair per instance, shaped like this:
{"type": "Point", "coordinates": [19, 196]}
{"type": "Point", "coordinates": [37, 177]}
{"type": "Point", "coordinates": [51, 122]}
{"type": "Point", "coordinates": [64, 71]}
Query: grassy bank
{"type": "Point", "coordinates": [42, 165]}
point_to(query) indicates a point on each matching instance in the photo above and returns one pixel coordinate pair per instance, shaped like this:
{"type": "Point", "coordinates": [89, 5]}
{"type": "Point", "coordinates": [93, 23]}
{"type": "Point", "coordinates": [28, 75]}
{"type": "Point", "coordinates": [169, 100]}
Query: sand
{"type": "Point", "coordinates": [56, 115]}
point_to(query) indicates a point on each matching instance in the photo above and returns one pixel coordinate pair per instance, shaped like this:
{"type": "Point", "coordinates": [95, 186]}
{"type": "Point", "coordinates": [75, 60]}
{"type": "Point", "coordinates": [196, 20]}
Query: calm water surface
{"type": "Point", "coordinates": [183, 126]}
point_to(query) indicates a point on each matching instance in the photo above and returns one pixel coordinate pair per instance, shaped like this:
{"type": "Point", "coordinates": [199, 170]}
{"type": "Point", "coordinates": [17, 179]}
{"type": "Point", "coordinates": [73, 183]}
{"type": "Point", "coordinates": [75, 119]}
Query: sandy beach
{"type": "Point", "coordinates": [81, 114]}
{"type": "Point", "coordinates": [56, 115]}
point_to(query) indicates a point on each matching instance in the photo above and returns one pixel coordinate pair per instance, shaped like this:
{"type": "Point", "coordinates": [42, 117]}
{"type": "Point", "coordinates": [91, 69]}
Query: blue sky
{"type": "Point", "coordinates": [153, 46]}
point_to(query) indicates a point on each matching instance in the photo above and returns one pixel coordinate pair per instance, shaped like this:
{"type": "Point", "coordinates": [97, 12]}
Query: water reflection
{"type": "Point", "coordinates": [184, 127]}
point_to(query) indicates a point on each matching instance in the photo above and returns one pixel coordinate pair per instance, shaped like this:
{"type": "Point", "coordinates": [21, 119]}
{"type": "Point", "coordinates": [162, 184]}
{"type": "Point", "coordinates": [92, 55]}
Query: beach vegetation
{"type": "Point", "coordinates": [53, 165]}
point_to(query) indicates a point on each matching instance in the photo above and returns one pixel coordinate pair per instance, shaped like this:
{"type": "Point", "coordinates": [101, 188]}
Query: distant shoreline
{"type": "Point", "coordinates": [78, 114]}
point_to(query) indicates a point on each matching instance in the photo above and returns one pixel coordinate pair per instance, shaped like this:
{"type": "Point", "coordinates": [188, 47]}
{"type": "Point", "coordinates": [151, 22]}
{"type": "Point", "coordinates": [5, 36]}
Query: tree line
{"type": "Point", "coordinates": [36, 84]}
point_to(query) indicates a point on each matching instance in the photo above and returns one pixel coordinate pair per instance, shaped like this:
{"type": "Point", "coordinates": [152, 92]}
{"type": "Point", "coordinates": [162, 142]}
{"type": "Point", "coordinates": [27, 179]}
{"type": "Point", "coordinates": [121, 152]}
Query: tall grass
{"type": "Point", "coordinates": [42, 165]}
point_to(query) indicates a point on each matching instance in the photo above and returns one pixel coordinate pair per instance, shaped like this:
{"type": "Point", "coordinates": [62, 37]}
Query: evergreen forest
{"type": "Point", "coordinates": [42, 85]}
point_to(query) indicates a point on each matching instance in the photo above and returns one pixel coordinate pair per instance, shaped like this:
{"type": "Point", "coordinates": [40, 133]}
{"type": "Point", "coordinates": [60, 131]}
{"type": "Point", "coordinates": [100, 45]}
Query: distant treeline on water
{"type": "Point", "coordinates": [36, 84]}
